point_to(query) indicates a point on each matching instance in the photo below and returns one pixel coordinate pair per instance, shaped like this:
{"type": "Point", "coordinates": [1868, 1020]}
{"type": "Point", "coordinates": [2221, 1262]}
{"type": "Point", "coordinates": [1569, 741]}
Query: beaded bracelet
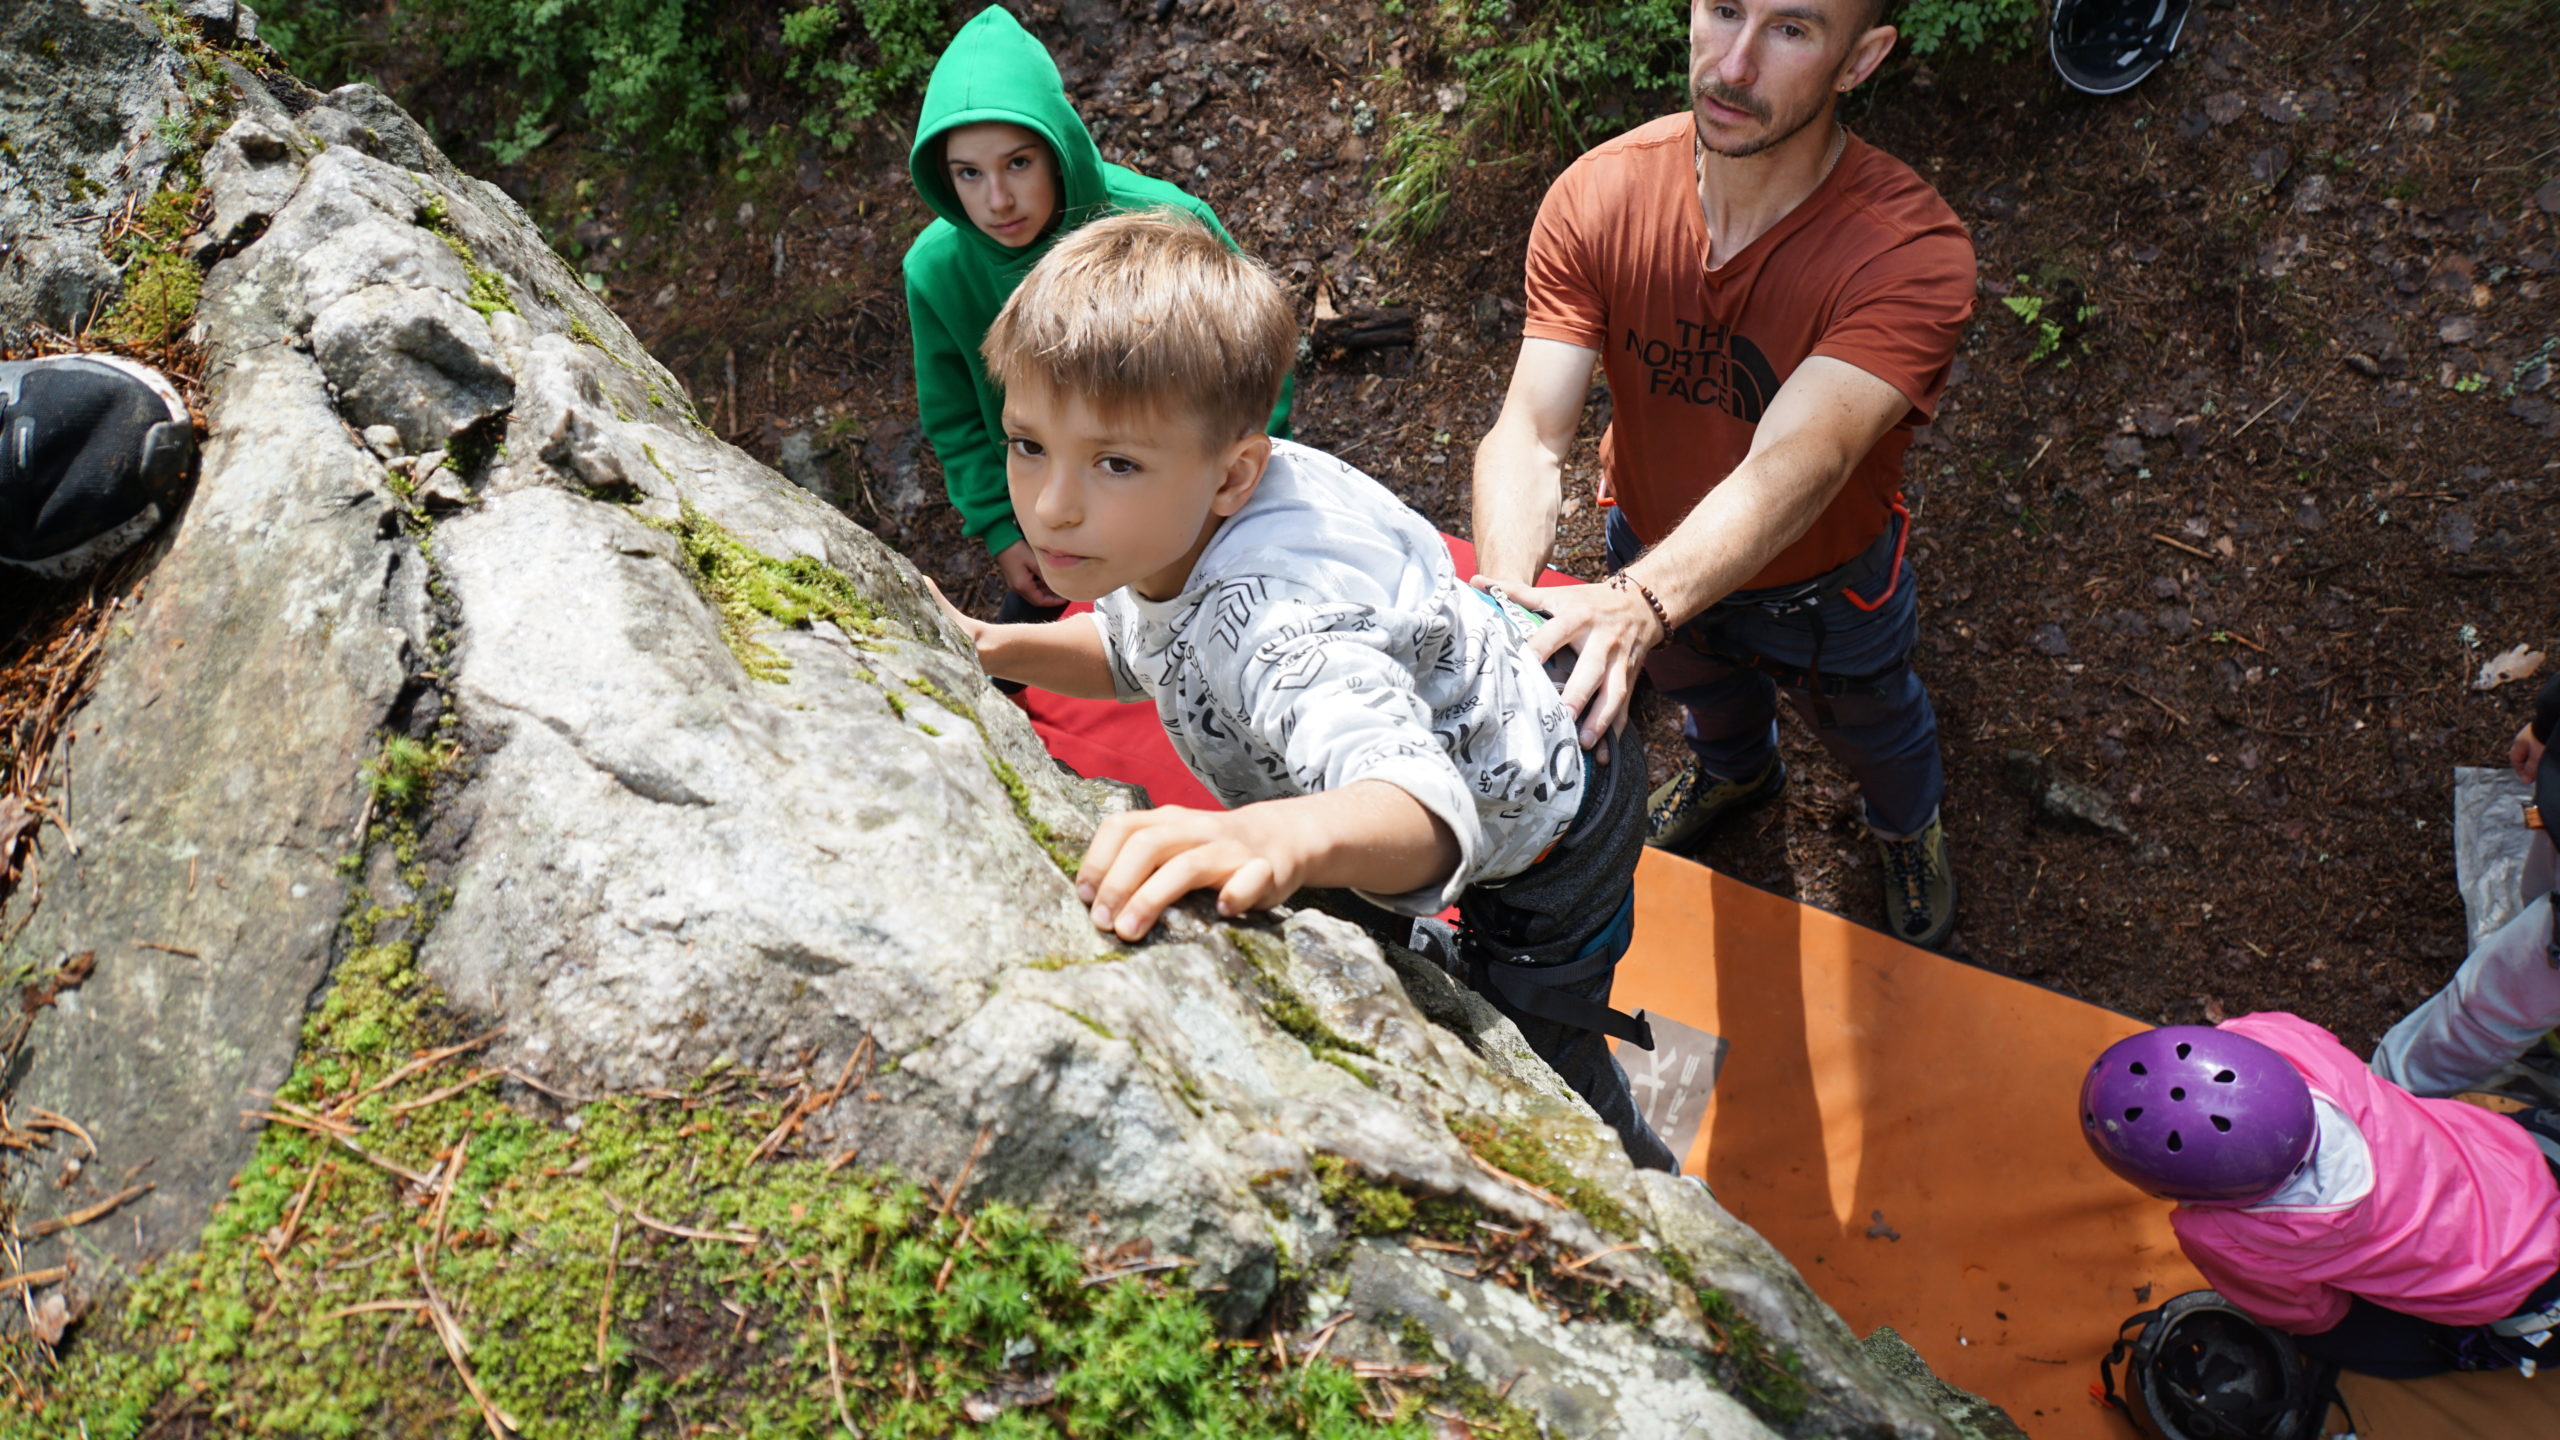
{"type": "Point", "coordinates": [1622, 580]}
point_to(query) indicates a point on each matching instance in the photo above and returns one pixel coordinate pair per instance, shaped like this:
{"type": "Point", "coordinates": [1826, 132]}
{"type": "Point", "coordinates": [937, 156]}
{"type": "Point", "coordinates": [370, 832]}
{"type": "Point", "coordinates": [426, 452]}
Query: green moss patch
{"type": "Point", "coordinates": [1765, 1376]}
{"type": "Point", "coordinates": [161, 286]}
{"type": "Point", "coordinates": [1520, 1153]}
{"type": "Point", "coordinates": [750, 590]}
{"type": "Point", "coordinates": [639, 1266]}
{"type": "Point", "coordinates": [488, 293]}
{"type": "Point", "coordinates": [1268, 954]}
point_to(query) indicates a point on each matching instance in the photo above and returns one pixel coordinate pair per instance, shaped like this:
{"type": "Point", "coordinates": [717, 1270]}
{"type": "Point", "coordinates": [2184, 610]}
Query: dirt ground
{"type": "Point", "coordinates": [2232, 551]}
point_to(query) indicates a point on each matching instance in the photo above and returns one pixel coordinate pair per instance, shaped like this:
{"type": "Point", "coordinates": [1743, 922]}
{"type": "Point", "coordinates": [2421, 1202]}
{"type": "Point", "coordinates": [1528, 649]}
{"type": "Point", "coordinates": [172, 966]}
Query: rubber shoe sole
{"type": "Point", "coordinates": [1687, 807]}
{"type": "Point", "coordinates": [88, 467]}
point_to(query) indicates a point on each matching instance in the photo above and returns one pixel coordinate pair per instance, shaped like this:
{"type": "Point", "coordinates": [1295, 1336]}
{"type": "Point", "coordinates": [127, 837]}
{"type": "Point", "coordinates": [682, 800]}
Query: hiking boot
{"type": "Point", "coordinates": [1919, 887]}
{"type": "Point", "coordinates": [92, 450]}
{"type": "Point", "coordinates": [1692, 802]}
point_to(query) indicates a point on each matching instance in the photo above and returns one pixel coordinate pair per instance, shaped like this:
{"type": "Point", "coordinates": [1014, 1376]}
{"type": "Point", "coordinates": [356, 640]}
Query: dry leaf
{"type": "Point", "coordinates": [2515, 664]}
{"type": "Point", "coordinates": [51, 1316]}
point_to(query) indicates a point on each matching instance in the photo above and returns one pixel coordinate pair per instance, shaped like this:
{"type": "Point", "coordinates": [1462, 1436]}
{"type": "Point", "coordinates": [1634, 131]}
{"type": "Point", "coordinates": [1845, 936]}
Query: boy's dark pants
{"type": "Point", "coordinates": [1572, 908]}
{"type": "Point", "coordinates": [1550, 915]}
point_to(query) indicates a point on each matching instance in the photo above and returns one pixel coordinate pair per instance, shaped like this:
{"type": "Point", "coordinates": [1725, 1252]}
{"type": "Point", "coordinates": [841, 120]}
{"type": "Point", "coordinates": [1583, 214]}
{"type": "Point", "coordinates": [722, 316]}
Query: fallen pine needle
{"type": "Point", "coordinates": [292, 1225]}
{"type": "Point", "coordinates": [371, 1306]}
{"type": "Point", "coordinates": [1578, 1262]}
{"type": "Point", "coordinates": [39, 1119]}
{"type": "Point", "coordinates": [682, 1232]}
{"type": "Point", "coordinates": [1323, 1337]}
{"type": "Point", "coordinates": [435, 1097]}
{"type": "Point", "coordinates": [426, 1061]}
{"type": "Point", "coordinates": [1379, 1370]}
{"type": "Point", "coordinates": [951, 1196]}
{"type": "Point", "coordinates": [562, 1096]}
{"type": "Point", "coordinates": [835, 1366]}
{"type": "Point", "coordinates": [842, 1158]}
{"type": "Point", "coordinates": [2166, 708]}
{"type": "Point", "coordinates": [966, 1226]}
{"type": "Point", "coordinates": [448, 1330]}
{"type": "Point", "coordinates": [811, 1104]}
{"type": "Point", "coordinates": [2175, 544]}
{"type": "Point", "coordinates": [1515, 1182]}
{"type": "Point", "coordinates": [1107, 1276]}
{"type": "Point", "coordinates": [444, 1192]}
{"type": "Point", "coordinates": [422, 1181]}
{"type": "Point", "coordinates": [30, 1279]}
{"type": "Point", "coordinates": [168, 949]}
{"type": "Point", "coordinates": [604, 1310]}
{"type": "Point", "coordinates": [83, 1217]}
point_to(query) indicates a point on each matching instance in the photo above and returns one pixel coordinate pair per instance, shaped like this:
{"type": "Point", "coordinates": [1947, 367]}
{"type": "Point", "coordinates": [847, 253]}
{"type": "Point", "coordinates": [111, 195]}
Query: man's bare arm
{"type": "Point", "coordinates": [1822, 422]}
{"type": "Point", "coordinates": [1520, 462]}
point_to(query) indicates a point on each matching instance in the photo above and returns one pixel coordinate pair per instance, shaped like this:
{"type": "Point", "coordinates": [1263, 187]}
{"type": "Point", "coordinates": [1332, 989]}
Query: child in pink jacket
{"type": "Point", "coordinates": [2387, 1234]}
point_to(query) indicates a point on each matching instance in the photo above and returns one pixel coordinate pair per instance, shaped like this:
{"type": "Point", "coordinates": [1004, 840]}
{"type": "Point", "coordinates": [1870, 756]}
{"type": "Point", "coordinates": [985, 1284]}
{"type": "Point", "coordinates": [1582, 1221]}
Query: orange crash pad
{"type": "Point", "coordinates": [1904, 1128]}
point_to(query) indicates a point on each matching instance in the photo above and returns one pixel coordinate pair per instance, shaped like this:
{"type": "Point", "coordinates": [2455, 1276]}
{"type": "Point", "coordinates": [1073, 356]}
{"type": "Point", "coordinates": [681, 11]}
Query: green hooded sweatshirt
{"type": "Point", "coordinates": [958, 276]}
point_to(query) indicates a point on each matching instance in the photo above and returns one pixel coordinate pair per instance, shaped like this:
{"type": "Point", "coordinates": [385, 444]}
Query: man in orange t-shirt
{"type": "Point", "coordinates": [1775, 304]}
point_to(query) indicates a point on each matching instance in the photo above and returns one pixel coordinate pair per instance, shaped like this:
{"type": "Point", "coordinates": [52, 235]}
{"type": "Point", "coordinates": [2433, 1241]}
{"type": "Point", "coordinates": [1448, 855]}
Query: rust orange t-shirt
{"type": "Point", "coordinates": [1872, 269]}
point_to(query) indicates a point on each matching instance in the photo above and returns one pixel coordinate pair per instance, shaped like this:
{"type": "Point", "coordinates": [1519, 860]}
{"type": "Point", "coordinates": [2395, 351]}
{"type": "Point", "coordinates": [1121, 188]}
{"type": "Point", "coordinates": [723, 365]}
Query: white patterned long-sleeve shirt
{"type": "Point", "coordinates": [1326, 638]}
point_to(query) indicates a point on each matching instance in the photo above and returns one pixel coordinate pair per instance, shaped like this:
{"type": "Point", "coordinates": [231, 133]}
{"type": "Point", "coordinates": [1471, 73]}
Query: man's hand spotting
{"type": "Point", "coordinates": [1610, 629]}
{"type": "Point", "coordinates": [2525, 755]}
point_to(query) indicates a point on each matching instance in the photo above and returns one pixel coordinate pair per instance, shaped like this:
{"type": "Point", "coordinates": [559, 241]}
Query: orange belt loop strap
{"type": "Point", "coordinates": [1893, 578]}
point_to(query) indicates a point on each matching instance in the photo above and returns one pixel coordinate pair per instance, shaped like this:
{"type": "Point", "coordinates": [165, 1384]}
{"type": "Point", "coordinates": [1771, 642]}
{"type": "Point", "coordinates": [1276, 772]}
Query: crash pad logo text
{"type": "Point", "coordinates": [1706, 365]}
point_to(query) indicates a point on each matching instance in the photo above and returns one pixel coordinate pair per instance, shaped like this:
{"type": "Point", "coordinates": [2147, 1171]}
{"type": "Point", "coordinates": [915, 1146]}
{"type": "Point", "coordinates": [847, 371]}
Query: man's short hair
{"type": "Point", "coordinates": [1150, 310]}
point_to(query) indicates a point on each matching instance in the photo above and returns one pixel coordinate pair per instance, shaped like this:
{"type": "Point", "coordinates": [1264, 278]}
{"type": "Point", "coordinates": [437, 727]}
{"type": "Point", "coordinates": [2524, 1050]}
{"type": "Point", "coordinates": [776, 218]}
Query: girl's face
{"type": "Point", "coordinates": [1006, 180]}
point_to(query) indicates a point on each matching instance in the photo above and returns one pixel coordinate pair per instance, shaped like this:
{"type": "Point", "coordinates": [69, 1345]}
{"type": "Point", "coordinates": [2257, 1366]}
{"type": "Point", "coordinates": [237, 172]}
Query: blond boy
{"type": "Point", "coordinates": [1371, 722]}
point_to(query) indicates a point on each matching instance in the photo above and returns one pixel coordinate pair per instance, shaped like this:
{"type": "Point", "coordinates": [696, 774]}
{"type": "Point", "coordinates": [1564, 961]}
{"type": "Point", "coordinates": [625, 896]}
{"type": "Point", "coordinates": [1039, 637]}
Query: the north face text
{"type": "Point", "coordinates": [1707, 365]}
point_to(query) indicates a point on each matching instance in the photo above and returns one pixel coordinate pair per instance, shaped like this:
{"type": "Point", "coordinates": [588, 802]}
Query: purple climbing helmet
{"type": "Point", "coordinates": [2189, 1112]}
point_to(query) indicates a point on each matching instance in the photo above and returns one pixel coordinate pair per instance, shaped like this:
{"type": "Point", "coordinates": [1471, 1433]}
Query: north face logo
{"type": "Point", "coordinates": [1709, 365]}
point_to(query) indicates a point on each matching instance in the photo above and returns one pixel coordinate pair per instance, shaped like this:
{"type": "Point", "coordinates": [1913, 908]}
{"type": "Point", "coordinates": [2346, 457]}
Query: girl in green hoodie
{"type": "Point", "coordinates": [1004, 160]}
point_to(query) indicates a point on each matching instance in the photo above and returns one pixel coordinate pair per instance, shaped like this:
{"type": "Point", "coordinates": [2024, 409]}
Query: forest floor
{"type": "Point", "coordinates": [2231, 542]}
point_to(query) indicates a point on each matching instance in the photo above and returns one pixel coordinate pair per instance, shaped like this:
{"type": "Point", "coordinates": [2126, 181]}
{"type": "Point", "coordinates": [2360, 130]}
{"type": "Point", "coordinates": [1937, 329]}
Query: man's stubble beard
{"type": "Point", "coordinates": [1753, 106]}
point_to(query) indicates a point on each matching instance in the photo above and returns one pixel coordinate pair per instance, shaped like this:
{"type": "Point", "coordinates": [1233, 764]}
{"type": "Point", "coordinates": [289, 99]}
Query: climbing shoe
{"type": "Point", "coordinates": [1692, 802]}
{"type": "Point", "coordinates": [93, 449]}
{"type": "Point", "coordinates": [1919, 887]}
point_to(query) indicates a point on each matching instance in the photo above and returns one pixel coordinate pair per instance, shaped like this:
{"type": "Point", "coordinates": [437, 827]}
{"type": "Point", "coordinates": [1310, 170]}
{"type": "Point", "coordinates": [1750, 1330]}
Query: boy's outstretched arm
{"type": "Point", "coordinates": [1368, 834]}
{"type": "Point", "coordinates": [1063, 657]}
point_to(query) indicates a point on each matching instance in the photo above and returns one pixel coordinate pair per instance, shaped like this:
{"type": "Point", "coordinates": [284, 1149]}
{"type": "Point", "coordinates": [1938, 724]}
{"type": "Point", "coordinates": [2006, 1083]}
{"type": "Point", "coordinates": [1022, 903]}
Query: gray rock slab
{"type": "Point", "coordinates": [213, 777]}
{"type": "Point", "coordinates": [82, 89]}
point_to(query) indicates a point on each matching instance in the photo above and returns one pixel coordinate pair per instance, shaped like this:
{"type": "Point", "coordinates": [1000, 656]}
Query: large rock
{"type": "Point", "coordinates": [679, 834]}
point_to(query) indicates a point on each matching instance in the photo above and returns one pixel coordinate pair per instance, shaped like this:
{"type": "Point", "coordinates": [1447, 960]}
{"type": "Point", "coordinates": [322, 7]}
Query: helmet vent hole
{"type": "Point", "coordinates": [2137, 1069]}
{"type": "Point", "coordinates": [2133, 1114]}
{"type": "Point", "coordinates": [2224, 1077]}
{"type": "Point", "coordinates": [2176, 1144]}
{"type": "Point", "coordinates": [2184, 1049]}
{"type": "Point", "coordinates": [2177, 1092]}
{"type": "Point", "coordinates": [2222, 1123]}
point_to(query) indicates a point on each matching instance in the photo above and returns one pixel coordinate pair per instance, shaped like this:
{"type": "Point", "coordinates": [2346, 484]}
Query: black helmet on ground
{"type": "Point", "coordinates": [2107, 46]}
{"type": "Point", "coordinates": [2202, 1370]}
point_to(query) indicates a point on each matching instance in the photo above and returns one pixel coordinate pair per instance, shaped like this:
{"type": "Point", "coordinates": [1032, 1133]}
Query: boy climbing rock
{"type": "Point", "coordinates": [1370, 722]}
{"type": "Point", "coordinates": [1002, 158]}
